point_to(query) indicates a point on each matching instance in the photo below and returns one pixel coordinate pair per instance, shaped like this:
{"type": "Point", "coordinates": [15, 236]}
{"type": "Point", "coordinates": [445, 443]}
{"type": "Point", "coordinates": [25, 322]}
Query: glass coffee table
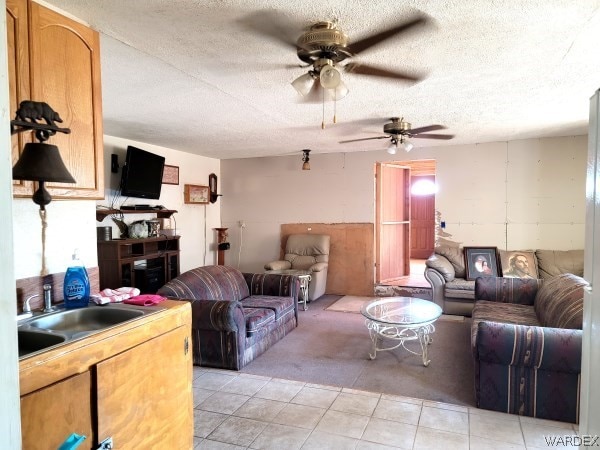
{"type": "Point", "coordinates": [304, 276]}
{"type": "Point", "coordinates": [401, 320]}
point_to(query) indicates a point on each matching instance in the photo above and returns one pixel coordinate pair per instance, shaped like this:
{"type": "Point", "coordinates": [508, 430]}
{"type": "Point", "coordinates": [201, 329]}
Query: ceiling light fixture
{"type": "Point", "coordinates": [406, 145]}
{"type": "Point", "coordinates": [393, 147]}
{"type": "Point", "coordinates": [305, 159]}
{"type": "Point", "coordinates": [304, 83]}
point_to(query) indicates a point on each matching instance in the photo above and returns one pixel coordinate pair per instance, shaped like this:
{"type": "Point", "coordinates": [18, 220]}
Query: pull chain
{"type": "Point", "coordinates": [323, 114]}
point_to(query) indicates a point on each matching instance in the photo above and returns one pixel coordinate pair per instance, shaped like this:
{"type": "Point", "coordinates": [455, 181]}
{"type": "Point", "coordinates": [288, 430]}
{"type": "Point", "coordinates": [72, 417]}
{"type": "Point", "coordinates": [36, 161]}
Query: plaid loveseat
{"type": "Point", "coordinates": [235, 316]}
{"type": "Point", "coordinates": [526, 343]}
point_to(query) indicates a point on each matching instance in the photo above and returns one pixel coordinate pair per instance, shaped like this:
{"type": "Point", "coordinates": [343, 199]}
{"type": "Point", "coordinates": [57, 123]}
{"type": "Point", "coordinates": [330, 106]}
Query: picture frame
{"type": "Point", "coordinates": [193, 193]}
{"type": "Point", "coordinates": [170, 175]}
{"type": "Point", "coordinates": [481, 262]}
{"type": "Point", "coordinates": [518, 264]}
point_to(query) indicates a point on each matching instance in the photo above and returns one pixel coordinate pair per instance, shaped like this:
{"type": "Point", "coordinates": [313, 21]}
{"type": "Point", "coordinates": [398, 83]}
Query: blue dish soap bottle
{"type": "Point", "coordinates": [76, 287]}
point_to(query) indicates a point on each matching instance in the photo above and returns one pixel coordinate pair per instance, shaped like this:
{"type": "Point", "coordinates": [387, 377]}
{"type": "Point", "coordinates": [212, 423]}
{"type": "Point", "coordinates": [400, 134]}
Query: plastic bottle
{"type": "Point", "coordinates": [76, 288]}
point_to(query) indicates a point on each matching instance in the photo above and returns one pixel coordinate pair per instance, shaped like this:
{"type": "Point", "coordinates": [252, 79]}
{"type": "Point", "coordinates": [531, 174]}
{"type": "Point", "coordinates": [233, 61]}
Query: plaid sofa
{"type": "Point", "coordinates": [235, 316]}
{"type": "Point", "coordinates": [526, 343]}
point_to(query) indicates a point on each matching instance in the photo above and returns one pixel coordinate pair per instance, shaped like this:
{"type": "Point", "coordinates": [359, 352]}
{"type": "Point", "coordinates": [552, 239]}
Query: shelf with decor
{"type": "Point", "coordinates": [160, 213]}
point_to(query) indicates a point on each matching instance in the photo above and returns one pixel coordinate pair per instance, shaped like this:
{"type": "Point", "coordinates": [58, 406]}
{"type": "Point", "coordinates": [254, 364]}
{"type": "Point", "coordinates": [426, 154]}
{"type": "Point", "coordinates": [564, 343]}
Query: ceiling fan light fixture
{"type": "Point", "coordinates": [407, 146]}
{"type": "Point", "coordinates": [329, 77]}
{"type": "Point", "coordinates": [303, 84]}
{"type": "Point", "coordinates": [393, 147]}
{"type": "Point", "coordinates": [341, 91]}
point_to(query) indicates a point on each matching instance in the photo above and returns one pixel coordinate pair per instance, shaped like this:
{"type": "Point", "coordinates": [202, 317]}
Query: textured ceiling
{"type": "Point", "coordinates": [186, 74]}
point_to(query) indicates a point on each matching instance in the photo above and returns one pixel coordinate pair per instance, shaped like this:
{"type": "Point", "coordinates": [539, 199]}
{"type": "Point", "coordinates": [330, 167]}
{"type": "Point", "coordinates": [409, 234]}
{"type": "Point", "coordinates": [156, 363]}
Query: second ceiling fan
{"type": "Point", "coordinates": [398, 132]}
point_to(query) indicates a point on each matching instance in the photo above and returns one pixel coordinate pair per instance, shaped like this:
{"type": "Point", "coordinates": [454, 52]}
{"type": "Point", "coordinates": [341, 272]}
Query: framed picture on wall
{"type": "Point", "coordinates": [196, 194]}
{"type": "Point", "coordinates": [481, 262]}
{"type": "Point", "coordinates": [170, 175]}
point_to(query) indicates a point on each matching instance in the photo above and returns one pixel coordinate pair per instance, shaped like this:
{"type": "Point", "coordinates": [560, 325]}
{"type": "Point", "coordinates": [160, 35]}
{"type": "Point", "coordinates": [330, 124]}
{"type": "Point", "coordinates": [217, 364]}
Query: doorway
{"type": "Point", "coordinates": [419, 204]}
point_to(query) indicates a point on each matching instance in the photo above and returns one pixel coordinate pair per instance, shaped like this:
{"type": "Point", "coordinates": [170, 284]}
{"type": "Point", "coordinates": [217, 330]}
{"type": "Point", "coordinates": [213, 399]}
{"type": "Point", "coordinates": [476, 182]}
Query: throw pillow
{"type": "Point", "coordinates": [518, 264]}
{"type": "Point", "coordinates": [559, 302]}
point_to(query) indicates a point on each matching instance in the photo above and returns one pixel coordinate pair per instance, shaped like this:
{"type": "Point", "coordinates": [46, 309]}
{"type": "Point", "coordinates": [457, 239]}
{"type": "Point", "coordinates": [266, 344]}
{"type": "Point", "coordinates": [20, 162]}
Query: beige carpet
{"type": "Point", "coordinates": [352, 304]}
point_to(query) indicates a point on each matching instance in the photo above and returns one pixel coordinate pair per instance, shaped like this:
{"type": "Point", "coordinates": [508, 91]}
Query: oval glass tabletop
{"type": "Point", "coordinates": [402, 311]}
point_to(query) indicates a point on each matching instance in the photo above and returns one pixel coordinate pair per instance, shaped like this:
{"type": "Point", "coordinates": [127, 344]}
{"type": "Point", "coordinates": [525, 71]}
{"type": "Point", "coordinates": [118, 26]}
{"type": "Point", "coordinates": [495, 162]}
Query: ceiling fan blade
{"type": "Point", "coordinates": [427, 128]}
{"type": "Point", "coordinates": [433, 136]}
{"type": "Point", "coordinates": [273, 25]}
{"type": "Point", "coordinates": [374, 71]}
{"type": "Point", "coordinates": [364, 139]}
{"type": "Point", "coordinates": [375, 39]}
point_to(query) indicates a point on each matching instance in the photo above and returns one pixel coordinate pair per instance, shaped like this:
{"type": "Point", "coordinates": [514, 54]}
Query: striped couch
{"type": "Point", "coordinates": [235, 316]}
{"type": "Point", "coordinates": [526, 343]}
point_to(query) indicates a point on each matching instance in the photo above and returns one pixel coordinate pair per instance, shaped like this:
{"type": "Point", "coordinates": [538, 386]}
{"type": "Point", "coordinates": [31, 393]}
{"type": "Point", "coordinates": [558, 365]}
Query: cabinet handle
{"type": "Point", "coordinates": [186, 345]}
{"type": "Point", "coordinates": [106, 444]}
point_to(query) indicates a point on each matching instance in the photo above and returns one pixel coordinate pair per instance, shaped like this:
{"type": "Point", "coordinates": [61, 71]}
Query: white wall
{"type": "Point", "coordinates": [194, 222]}
{"type": "Point", "coordinates": [514, 195]}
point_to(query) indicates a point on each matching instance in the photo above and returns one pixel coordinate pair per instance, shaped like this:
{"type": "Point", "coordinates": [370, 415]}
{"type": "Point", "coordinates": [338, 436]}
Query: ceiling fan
{"type": "Point", "coordinates": [323, 46]}
{"type": "Point", "coordinates": [399, 132]}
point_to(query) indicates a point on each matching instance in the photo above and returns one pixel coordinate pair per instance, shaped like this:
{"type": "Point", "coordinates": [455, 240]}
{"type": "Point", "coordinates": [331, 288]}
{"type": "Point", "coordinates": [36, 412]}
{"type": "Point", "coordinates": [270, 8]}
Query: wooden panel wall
{"type": "Point", "coordinates": [351, 255]}
{"type": "Point", "coordinates": [33, 285]}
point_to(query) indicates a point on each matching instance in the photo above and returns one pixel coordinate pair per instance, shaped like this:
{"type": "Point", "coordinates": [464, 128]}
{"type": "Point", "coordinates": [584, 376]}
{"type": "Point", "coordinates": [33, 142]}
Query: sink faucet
{"type": "Point", "coordinates": [26, 314]}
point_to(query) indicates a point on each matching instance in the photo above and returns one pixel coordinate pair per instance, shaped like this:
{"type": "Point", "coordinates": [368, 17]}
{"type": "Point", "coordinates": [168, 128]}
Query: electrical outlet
{"type": "Point", "coordinates": [242, 224]}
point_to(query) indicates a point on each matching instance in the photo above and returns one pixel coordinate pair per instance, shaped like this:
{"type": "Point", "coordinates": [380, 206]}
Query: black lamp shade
{"type": "Point", "coordinates": [41, 162]}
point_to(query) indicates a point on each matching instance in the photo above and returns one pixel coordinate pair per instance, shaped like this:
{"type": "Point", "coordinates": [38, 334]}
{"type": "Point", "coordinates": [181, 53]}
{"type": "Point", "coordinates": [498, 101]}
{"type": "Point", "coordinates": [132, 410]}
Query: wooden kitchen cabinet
{"type": "Point", "coordinates": [142, 383]}
{"type": "Point", "coordinates": [42, 429]}
{"type": "Point", "coordinates": [55, 59]}
{"type": "Point", "coordinates": [132, 383]}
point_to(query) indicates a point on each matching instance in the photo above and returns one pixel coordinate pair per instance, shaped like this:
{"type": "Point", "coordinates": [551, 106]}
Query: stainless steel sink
{"type": "Point", "coordinates": [66, 325]}
{"type": "Point", "coordinates": [85, 319]}
{"type": "Point", "coordinates": [33, 341]}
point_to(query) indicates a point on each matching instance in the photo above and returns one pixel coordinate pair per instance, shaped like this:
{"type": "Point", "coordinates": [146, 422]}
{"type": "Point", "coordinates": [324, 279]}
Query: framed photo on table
{"type": "Point", "coordinates": [196, 194]}
{"type": "Point", "coordinates": [481, 262]}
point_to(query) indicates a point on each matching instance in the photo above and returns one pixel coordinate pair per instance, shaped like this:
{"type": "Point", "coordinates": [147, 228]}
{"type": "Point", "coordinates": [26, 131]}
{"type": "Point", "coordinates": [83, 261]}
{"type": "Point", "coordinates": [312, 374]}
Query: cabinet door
{"type": "Point", "coordinates": [65, 73]}
{"type": "Point", "coordinates": [145, 394]}
{"type": "Point", "coordinates": [49, 416]}
{"type": "Point", "coordinates": [18, 78]}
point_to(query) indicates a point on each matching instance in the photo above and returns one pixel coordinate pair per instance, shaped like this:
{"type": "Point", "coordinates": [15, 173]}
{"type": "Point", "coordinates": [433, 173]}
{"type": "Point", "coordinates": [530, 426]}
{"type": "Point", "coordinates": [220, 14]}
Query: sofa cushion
{"type": "Point", "coordinates": [280, 306]}
{"type": "Point", "coordinates": [442, 265]}
{"type": "Point", "coordinates": [490, 311]}
{"type": "Point", "coordinates": [556, 262]}
{"type": "Point", "coordinates": [257, 318]}
{"type": "Point", "coordinates": [559, 302]}
{"type": "Point", "coordinates": [506, 256]}
{"type": "Point", "coordinates": [456, 257]}
{"type": "Point", "coordinates": [460, 288]}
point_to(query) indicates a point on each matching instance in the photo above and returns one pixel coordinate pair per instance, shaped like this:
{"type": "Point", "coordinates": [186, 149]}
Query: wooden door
{"type": "Point", "coordinates": [65, 73]}
{"type": "Point", "coordinates": [18, 79]}
{"type": "Point", "coordinates": [145, 394]}
{"type": "Point", "coordinates": [50, 415]}
{"type": "Point", "coordinates": [422, 222]}
{"type": "Point", "coordinates": [392, 221]}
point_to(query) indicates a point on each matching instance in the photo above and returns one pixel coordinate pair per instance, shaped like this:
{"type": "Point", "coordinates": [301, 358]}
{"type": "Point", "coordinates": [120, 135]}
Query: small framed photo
{"type": "Point", "coordinates": [481, 262]}
{"type": "Point", "coordinates": [170, 175]}
{"type": "Point", "coordinates": [195, 194]}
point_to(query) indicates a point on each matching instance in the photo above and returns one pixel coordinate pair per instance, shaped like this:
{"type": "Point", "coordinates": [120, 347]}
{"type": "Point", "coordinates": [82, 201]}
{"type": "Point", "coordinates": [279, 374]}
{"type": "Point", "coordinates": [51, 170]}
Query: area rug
{"type": "Point", "coordinates": [332, 348]}
{"type": "Point", "coordinates": [352, 304]}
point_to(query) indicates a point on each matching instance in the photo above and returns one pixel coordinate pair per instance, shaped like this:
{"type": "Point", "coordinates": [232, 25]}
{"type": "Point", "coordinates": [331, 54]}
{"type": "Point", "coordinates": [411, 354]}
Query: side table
{"type": "Point", "coordinates": [304, 276]}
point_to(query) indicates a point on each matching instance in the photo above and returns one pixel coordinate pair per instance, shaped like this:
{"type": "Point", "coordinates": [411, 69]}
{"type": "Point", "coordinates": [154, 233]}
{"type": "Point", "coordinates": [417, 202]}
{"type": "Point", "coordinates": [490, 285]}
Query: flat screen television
{"type": "Point", "coordinates": [142, 174]}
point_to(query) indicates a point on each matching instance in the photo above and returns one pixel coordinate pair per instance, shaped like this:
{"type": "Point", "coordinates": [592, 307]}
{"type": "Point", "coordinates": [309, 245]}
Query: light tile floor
{"type": "Point", "coordinates": [241, 411]}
